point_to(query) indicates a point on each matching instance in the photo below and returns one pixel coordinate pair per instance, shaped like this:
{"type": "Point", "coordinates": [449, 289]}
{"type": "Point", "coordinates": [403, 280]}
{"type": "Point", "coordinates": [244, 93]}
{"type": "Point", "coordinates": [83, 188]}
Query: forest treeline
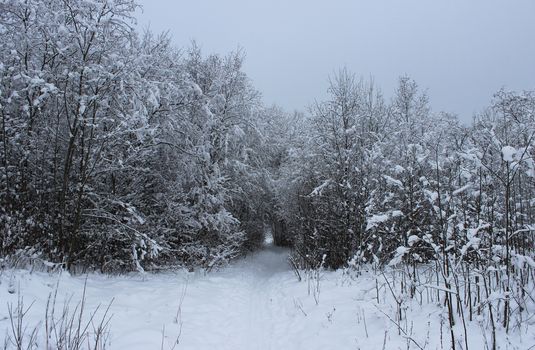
{"type": "Point", "coordinates": [120, 151]}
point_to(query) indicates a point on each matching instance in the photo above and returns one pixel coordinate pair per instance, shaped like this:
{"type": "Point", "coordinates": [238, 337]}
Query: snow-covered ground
{"type": "Point", "coordinates": [257, 303]}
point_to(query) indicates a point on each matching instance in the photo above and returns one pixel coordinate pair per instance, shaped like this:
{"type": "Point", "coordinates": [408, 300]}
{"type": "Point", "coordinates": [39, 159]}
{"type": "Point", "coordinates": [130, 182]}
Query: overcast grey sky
{"type": "Point", "coordinates": [461, 51]}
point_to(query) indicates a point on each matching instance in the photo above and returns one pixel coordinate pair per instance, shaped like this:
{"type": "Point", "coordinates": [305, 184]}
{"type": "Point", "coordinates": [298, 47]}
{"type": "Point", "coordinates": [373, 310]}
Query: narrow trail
{"type": "Point", "coordinates": [238, 306]}
{"type": "Point", "coordinates": [263, 268]}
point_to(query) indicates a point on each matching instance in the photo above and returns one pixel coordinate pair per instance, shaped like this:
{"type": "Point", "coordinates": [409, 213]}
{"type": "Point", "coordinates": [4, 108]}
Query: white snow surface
{"type": "Point", "coordinates": [257, 303]}
{"type": "Point", "coordinates": [508, 153]}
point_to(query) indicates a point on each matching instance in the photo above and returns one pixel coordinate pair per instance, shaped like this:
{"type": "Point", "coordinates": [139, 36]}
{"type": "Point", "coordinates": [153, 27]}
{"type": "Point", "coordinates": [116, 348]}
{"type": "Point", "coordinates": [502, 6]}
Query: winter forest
{"type": "Point", "coordinates": [130, 165]}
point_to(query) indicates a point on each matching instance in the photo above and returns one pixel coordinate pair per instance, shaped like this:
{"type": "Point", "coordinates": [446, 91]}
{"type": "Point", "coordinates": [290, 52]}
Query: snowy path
{"type": "Point", "coordinates": [255, 304]}
{"type": "Point", "coordinates": [233, 308]}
